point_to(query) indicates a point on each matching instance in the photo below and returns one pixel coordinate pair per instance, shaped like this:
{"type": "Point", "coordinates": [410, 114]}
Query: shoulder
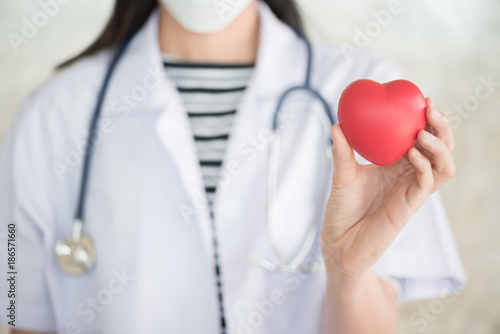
{"type": "Point", "coordinates": [67, 93]}
{"type": "Point", "coordinates": [52, 118]}
{"type": "Point", "coordinates": [337, 65]}
{"type": "Point", "coordinates": [71, 84]}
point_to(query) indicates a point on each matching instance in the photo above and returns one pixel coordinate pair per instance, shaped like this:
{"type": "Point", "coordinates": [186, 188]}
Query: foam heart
{"type": "Point", "coordinates": [381, 121]}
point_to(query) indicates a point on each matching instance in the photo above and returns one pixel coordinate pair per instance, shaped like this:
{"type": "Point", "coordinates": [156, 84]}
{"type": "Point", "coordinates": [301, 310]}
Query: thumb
{"type": "Point", "coordinates": [344, 162]}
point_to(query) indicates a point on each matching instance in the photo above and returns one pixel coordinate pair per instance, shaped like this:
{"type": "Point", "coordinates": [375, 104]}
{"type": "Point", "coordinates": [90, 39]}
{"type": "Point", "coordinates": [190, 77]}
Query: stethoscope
{"type": "Point", "coordinates": [76, 254]}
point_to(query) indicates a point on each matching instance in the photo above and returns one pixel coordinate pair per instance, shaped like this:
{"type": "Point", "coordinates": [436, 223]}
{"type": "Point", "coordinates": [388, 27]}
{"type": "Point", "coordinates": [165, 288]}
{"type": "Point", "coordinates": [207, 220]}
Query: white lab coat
{"type": "Point", "coordinates": [145, 210]}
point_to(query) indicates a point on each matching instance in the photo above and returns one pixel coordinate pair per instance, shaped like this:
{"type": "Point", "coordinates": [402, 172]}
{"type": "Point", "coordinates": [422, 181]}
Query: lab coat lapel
{"type": "Point", "coordinates": [280, 64]}
{"type": "Point", "coordinates": [174, 132]}
{"type": "Point", "coordinates": [142, 66]}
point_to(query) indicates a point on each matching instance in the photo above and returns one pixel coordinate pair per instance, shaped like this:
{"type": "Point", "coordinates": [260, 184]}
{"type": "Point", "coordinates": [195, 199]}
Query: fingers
{"type": "Point", "coordinates": [344, 161]}
{"type": "Point", "coordinates": [440, 124]}
{"type": "Point", "coordinates": [422, 187]}
{"type": "Point", "coordinates": [439, 155]}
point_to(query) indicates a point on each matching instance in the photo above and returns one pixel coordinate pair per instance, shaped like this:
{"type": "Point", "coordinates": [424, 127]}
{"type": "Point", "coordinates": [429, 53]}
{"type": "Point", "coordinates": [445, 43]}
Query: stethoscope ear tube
{"type": "Point", "coordinates": [272, 186]}
{"type": "Point", "coordinates": [272, 182]}
{"type": "Point", "coordinates": [284, 265]}
{"type": "Point", "coordinates": [306, 86]}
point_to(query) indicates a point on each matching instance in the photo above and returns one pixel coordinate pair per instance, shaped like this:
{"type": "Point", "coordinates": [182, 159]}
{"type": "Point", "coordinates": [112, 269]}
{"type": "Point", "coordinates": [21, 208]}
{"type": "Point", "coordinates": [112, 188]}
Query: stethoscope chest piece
{"type": "Point", "coordinates": [75, 254]}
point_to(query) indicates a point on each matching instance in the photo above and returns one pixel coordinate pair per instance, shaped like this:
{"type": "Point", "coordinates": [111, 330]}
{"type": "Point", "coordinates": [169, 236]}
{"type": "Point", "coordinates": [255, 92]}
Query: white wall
{"type": "Point", "coordinates": [443, 46]}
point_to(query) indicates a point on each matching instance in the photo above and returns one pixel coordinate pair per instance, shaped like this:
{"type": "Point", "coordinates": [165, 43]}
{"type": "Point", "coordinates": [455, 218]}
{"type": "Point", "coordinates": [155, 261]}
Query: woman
{"type": "Point", "coordinates": [176, 203]}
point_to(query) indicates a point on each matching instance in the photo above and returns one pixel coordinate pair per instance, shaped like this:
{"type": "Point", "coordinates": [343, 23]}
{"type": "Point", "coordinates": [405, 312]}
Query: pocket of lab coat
{"type": "Point", "coordinates": [291, 226]}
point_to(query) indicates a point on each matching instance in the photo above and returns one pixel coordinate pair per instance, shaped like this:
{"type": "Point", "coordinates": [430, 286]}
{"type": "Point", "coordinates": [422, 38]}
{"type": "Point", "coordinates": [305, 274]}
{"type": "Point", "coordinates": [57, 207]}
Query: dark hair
{"type": "Point", "coordinates": [129, 15]}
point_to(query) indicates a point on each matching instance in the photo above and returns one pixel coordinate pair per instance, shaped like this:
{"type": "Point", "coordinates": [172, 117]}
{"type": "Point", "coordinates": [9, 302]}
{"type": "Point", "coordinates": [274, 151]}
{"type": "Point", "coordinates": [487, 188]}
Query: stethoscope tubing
{"type": "Point", "coordinates": [89, 149]}
{"type": "Point", "coordinates": [284, 266]}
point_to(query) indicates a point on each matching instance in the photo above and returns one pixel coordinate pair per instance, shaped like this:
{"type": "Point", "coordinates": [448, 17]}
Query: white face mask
{"type": "Point", "coordinates": [205, 16]}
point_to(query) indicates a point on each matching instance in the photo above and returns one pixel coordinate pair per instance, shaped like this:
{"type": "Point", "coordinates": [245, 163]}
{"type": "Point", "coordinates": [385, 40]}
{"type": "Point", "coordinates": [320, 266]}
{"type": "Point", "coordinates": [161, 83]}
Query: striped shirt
{"type": "Point", "coordinates": [211, 95]}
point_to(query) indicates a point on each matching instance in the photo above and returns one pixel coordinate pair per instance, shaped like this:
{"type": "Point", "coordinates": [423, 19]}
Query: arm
{"type": "Point", "coordinates": [27, 185]}
{"type": "Point", "coordinates": [365, 302]}
{"type": "Point", "coordinates": [368, 206]}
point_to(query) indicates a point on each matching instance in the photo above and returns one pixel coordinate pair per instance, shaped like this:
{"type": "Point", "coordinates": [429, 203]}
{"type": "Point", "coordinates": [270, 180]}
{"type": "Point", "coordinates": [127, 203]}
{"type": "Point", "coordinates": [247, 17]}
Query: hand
{"type": "Point", "coordinates": [369, 204]}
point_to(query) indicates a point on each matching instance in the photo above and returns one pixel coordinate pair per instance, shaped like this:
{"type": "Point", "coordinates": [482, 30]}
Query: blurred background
{"type": "Point", "coordinates": [449, 48]}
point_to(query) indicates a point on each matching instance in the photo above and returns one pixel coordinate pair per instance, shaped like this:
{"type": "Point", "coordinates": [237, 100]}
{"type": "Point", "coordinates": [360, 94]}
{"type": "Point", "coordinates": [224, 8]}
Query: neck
{"type": "Point", "coordinates": [235, 44]}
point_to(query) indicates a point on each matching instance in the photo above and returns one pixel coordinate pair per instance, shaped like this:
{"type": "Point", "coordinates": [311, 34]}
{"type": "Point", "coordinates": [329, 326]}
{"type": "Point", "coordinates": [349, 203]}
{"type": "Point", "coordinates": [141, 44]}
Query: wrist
{"type": "Point", "coordinates": [346, 284]}
{"type": "Point", "coordinates": [337, 275]}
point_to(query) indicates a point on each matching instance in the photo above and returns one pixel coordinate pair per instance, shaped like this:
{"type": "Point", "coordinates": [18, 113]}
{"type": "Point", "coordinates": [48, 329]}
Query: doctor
{"type": "Point", "coordinates": [177, 203]}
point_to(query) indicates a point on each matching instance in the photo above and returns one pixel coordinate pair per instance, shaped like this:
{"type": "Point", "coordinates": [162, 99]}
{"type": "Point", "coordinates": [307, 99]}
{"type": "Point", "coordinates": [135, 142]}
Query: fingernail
{"type": "Point", "coordinates": [417, 153]}
{"type": "Point", "coordinates": [429, 136]}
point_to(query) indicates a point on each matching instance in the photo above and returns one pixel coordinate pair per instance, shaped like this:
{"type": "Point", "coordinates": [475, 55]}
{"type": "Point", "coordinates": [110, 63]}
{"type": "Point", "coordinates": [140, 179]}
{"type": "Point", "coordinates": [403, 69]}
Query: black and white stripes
{"type": "Point", "coordinates": [211, 95]}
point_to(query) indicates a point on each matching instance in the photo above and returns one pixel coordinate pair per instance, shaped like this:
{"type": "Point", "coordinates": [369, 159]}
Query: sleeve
{"type": "Point", "coordinates": [423, 261]}
{"type": "Point", "coordinates": [424, 257]}
{"type": "Point", "coordinates": [25, 174]}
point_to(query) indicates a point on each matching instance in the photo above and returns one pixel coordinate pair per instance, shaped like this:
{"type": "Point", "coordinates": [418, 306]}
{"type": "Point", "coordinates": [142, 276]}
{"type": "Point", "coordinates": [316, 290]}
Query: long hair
{"type": "Point", "coordinates": [129, 15]}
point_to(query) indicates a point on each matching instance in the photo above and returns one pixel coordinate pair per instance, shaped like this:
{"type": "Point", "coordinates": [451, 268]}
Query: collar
{"type": "Point", "coordinates": [140, 85]}
{"type": "Point", "coordinates": [139, 81]}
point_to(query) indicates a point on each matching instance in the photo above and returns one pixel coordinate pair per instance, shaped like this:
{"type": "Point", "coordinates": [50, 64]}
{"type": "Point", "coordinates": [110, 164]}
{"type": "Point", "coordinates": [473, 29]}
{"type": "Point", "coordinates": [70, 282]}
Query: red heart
{"type": "Point", "coordinates": [381, 121]}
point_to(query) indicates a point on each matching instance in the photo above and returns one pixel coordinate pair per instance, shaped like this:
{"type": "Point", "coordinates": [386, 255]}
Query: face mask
{"type": "Point", "coordinates": [205, 16]}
